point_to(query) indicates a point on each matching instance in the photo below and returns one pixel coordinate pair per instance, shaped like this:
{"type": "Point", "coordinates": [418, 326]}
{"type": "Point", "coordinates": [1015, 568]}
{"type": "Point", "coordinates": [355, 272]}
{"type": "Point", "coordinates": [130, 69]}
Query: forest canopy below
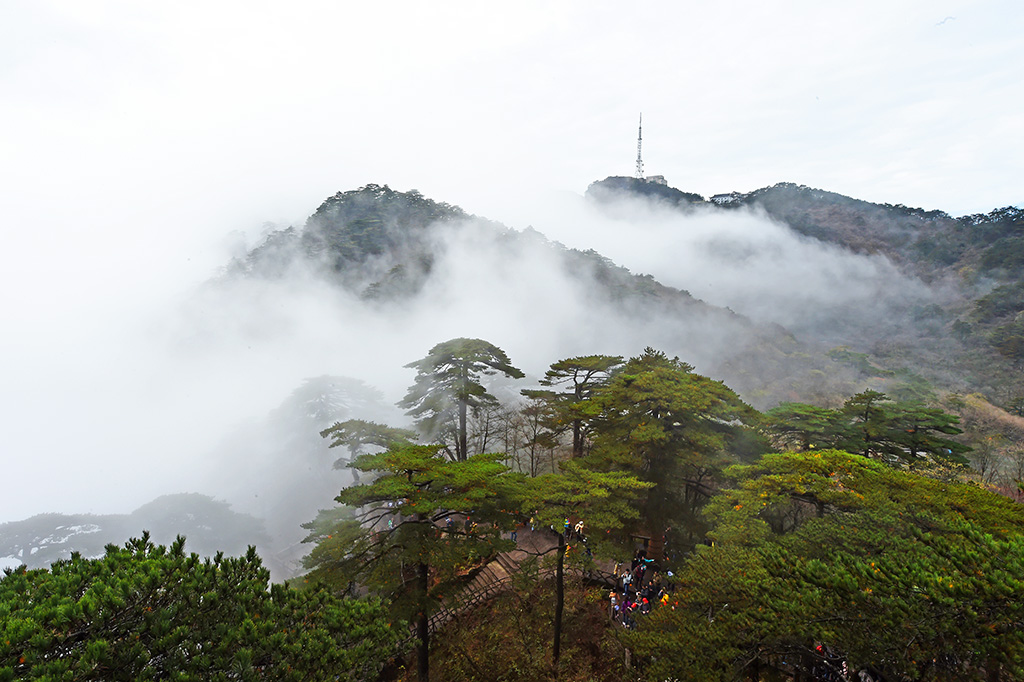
{"type": "Point", "coordinates": [817, 477]}
{"type": "Point", "coordinates": [801, 543]}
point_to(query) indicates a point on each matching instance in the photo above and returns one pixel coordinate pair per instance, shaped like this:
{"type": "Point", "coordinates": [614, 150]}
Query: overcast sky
{"type": "Point", "coordinates": [143, 141]}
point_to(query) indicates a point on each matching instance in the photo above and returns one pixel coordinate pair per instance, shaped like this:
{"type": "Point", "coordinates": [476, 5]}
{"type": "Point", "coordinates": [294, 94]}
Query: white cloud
{"type": "Point", "coordinates": [139, 136]}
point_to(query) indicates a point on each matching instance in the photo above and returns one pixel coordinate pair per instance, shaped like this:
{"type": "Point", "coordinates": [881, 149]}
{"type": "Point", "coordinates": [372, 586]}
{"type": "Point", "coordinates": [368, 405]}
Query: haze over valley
{"type": "Point", "coordinates": [162, 324]}
{"type": "Point", "coordinates": [222, 389]}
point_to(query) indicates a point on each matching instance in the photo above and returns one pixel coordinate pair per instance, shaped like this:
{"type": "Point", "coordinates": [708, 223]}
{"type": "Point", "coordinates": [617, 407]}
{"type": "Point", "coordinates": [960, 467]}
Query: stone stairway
{"type": "Point", "coordinates": [496, 576]}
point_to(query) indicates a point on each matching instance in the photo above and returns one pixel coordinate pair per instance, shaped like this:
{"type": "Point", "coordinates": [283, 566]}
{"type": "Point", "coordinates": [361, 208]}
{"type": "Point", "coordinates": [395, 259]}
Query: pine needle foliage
{"type": "Point", "coordinates": [827, 562]}
{"type": "Point", "coordinates": [145, 612]}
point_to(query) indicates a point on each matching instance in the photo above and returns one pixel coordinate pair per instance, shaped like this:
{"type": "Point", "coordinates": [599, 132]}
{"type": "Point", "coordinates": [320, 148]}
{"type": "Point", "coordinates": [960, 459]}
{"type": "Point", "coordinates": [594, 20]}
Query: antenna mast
{"type": "Point", "coordinates": [639, 143]}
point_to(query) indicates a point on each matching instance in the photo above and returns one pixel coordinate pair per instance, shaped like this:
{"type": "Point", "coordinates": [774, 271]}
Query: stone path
{"type": "Point", "coordinates": [496, 576]}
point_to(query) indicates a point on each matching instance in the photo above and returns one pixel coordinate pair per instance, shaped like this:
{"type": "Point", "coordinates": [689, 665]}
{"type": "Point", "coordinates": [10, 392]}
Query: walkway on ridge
{"type": "Point", "coordinates": [496, 576]}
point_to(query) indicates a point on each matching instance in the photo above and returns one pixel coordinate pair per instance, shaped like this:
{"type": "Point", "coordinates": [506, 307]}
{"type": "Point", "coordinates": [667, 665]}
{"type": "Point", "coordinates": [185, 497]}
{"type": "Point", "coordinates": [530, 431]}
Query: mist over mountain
{"type": "Point", "coordinates": [785, 293]}
{"type": "Point", "coordinates": [400, 255]}
{"type": "Point", "coordinates": [739, 285]}
{"type": "Point", "coordinates": [919, 291]}
{"type": "Point", "coordinates": [210, 526]}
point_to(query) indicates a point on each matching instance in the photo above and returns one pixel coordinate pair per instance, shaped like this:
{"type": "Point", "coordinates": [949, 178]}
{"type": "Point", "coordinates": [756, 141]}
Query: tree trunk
{"type": "Point", "coordinates": [461, 449]}
{"type": "Point", "coordinates": [755, 670]}
{"type": "Point", "coordinates": [423, 627]}
{"type": "Point", "coordinates": [992, 669]}
{"type": "Point", "coordinates": [655, 529]}
{"type": "Point", "coordinates": [656, 545]}
{"type": "Point", "coordinates": [559, 599]}
{"type": "Point", "coordinates": [577, 438]}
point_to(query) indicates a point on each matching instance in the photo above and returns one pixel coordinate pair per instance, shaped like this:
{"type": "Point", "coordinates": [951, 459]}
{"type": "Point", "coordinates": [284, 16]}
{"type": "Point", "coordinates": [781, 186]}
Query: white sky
{"type": "Point", "coordinates": [138, 137]}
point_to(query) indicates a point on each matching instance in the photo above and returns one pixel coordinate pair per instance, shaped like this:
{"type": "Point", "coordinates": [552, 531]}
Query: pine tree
{"type": "Point", "coordinates": [448, 385]}
{"type": "Point", "coordinates": [801, 427]}
{"type": "Point", "coordinates": [601, 500]}
{"type": "Point", "coordinates": [145, 612]}
{"type": "Point", "coordinates": [871, 569]}
{"type": "Point", "coordinates": [670, 427]}
{"type": "Point", "coordinates": [915, 427]}
{"type": "Point", "coordinates": [581, 376]}
{"type": "Point", "coordinates": [398, 542]}
{"type": "Point", "coordinates": [356, 434]}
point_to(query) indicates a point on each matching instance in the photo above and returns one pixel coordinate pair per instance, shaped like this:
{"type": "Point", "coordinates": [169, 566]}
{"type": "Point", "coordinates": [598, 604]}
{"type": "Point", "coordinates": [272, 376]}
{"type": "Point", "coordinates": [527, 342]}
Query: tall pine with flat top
{"type": "Point", "coordinates": [399, 544]}
{"type": "Point", "coordinates": [448, 385]}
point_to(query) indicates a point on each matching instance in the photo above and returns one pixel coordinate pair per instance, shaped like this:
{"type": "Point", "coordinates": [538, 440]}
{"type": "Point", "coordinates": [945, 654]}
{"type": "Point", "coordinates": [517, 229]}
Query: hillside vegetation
{"type": "Point", "coordinates": [795, 509]}
{"type": "Point", "coordinates": [883, 560]}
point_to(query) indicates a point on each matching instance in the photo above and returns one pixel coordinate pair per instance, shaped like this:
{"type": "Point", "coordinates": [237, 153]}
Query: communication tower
{"type": "Point", "coordinates": [639, 144]}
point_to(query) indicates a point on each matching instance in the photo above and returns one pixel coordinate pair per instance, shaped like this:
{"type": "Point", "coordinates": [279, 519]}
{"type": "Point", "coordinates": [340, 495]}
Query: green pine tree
{"type": "Point", "coordinates": [145, 612]}
{"type": "Point", "coordinates": [399, 544]}
{"type": "Point", "coordinates": [580, 376]}
{"type": "Point", "coordinates": [673, 428]}
{"type": "Point", "coordinates": [826, 561]}
{"type": "Point", "coordinates": [603, 501]}
{"type": "Point", "coordinates": [448, 385]}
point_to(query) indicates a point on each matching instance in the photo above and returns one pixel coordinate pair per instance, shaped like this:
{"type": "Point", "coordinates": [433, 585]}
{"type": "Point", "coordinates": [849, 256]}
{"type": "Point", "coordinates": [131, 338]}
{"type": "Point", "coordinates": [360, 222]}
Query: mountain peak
{"type": "Point", "coordinates": [617, 186]}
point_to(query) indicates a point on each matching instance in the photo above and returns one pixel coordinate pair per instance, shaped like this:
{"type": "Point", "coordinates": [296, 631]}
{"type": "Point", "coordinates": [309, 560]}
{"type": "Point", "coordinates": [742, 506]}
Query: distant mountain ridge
{"type": "Point", "coordinates": [386, 248]}
{"type": "Point", "coordinates": [384, 245]}
{"type": "Point", "coordinates": [209, 526]}
{"type": "Point", "coordinates": [991, 245]}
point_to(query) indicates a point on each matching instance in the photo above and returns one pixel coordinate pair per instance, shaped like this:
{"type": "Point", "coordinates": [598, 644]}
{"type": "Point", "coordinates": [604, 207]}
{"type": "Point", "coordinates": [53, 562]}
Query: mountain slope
{"type": "Point", "coordinates": [965, 333]}
{"type": "Point", "coordinates": [209, 526]}
{"type": "Point", "coordinates": [398, 251]}
{"type": "Point", "coordinates": [949, 323]}
{"type": "Point", "coordinates": [928, 242]}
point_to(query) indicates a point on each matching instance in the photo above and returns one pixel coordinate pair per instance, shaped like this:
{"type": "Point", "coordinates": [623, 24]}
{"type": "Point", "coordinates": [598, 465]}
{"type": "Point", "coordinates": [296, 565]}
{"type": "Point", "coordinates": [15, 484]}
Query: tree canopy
{"type": "Point", "coordinates": [580, 376]}
{"type": "Point", "coordinates": [448, 385]}
{"type": "Point", "coordinates": [601, 500]}
{"type": "Point", "coordinates": [402, 541]}
{"type": "Point", "coordinates": [670, 427]}
{"type": "Point", "coordinates": [145, 612]}
{"type": "Point", "coordinates": [356, 434]}
{"type": "Point", "coordinates": [827, 561]}
{"type": "Point", "coordinates": [800, 427]}
{"type": "Point", "coordinates": [871, 424]}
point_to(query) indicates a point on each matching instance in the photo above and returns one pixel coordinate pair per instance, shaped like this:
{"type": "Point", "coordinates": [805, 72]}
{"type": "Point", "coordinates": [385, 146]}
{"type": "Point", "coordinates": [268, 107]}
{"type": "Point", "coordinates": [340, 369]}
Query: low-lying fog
{"type": "Point", "coordinates": [739, 259]}
{"type": "Point", "coordinates": [145, 377]}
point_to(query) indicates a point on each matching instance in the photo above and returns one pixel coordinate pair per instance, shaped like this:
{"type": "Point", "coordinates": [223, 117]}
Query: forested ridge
{"type": "Point", "coordinates": [383, 244]}
{"type": "Point", "coordinates": [838, 513]}
{"type": "Point", "coordinates": [755, 549]}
